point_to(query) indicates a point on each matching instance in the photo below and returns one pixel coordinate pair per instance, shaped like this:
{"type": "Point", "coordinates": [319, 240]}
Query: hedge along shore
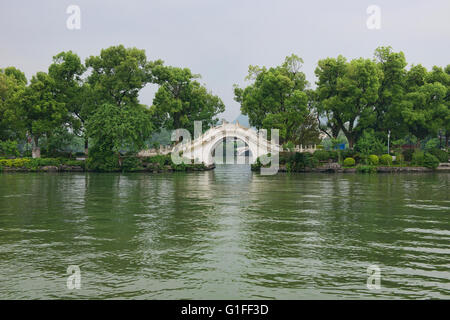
{"type": "Point", "coordinates": [148, 164]}
{"type": "Point", "coordinates": [337, 168]}
{"type": "Point", "coordinates": [330, 168]}
{"type": "Point", "coordinates": [65, 168]}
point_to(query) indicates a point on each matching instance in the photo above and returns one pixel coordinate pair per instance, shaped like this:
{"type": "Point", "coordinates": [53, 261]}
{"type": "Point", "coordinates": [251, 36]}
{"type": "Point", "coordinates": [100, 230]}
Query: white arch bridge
{"type": "Point", "coordinates": [202, 149]}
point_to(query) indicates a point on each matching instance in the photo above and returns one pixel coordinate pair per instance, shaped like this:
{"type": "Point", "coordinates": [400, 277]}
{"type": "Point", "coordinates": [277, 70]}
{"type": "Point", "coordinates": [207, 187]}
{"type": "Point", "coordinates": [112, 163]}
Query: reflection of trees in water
{"type": "Point", "coordinates": [180, 223]}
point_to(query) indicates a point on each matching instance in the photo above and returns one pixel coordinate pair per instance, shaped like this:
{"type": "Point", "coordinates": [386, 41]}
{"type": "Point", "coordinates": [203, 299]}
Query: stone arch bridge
{"type": "Point", "coordinates": [201, 148]}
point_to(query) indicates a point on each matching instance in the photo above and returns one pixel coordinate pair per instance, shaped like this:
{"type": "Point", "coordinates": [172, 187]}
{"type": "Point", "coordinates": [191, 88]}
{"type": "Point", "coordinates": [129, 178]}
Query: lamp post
{"type": "Point", "coordinates": [389, 135]}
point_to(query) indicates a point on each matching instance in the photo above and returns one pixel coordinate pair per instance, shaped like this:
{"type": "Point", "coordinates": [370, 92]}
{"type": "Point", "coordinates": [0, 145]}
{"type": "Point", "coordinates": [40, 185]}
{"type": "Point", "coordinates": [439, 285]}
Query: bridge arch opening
{"type": "Point", "coordinates": [231, 149]}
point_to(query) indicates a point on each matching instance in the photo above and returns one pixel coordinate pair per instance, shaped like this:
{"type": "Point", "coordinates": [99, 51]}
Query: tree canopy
{"type": "Point", "coordinates": [181, 99]}
{"type": "Point", "coordinates": [276, 97]}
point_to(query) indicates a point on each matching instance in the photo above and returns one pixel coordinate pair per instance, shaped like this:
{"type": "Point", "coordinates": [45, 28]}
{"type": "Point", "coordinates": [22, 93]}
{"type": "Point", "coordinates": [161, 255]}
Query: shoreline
{"type": "Point", "coordinates": [169, 169]}
{"type": "Point", "coordinates": [336, 168]}
{"type": "Point", "coordinates": [79, 169]}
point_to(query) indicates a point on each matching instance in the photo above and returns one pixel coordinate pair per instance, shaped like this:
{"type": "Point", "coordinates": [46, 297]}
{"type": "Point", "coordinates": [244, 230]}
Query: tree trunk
{"type": "Point", "coordinates": [86, 146]}
{"type": "Point", "coordinates": [36, 150]}
{"type": "Point", "coordinates": [350, 142]}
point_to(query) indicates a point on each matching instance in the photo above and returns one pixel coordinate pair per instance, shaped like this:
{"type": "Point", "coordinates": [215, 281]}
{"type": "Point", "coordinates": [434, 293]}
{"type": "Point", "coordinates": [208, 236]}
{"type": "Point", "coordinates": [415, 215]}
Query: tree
{"type": "Point", "coordinates": [415, 78]}
{"type": "Point", "coordinates": [442, 76]}
{"type": "Point", "coordinates": [67, 71]}
{"type": "Point", "coordinates": [12, 81]}
{"type": "Point", "coordinates": [39, 109]}
{"type": "Point", "coordinates": [181, 100]}
{"type": "Point", "coordinates": [328, 72]}
{"type": "Point", "coordinates": [112, 129]}
{"type": "Point", "coordinates": [369, 144]}
{"type": "Point", "coordinates": [111, 92]}
{"type": "Point", "coordinates": [308, 132]}
{"type": "Point", "coordinates": [348, 91]}
{"type": "Point", "coordinates": [276, 98]}
{"type": "Point", "coordinates": [391, 91]}
{"type": "Point", "coordinates": [425, 110]}
{"type": "Point", "coordinates": [118, 74]}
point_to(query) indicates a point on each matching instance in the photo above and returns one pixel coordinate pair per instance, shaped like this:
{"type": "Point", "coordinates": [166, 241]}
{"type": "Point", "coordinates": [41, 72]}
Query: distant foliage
{"type": "Point", "coordinates": [369, 144]}
{"type": "Point", "coordinates": [9, 148]}
{"type": "Point", "coordinates": [440, 154]}
{"type": "Point", "coordinates": [418, 157]}
{"type": "Point", "coordinates": [430, 161]}
{"type": "Point", "coordinates": [322, 155]}
{"type": "Point", "coordinates": [408, 154]}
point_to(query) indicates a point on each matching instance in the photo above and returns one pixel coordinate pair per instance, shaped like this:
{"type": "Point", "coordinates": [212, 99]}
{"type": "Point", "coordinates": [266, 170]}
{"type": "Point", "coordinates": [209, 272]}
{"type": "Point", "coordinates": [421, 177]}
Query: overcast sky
{"type": "Point", "coordinates": [220, 38]}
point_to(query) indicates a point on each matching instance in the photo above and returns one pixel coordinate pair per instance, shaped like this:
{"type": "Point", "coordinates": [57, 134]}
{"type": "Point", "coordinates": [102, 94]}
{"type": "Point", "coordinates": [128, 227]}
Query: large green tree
{"type": "Point", "coordinates": [109, 102]}
{"type": "Point", "coordinates": [181, 99]}
{"type": "Point", "coordinates": [348, 92]}
{"type": "Point", "coordinates": [78, 95]}
{"type": "Point", "coordinates": [114, 129]}
{"type": "Point", "coordinates": [12, 81]}
{"type": "Point", "coordinates": [276, 98]}
{"type": "Point", "coordinates": [391, 92]}
{"type": "Point", "coordinates": [118, 74]}
{"type": "Point", "coordinates": [442, 76]}
{"type": "Point", "coordinates": [328, 72]}
{"type": "Point", "coordinates": [39, 109]}
{"type": "Point", "coordinates": [425, 110]}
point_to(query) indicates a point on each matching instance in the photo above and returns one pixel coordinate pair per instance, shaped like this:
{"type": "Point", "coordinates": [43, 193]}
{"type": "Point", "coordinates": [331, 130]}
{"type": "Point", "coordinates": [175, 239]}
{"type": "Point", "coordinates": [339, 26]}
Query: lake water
{"type": "Point", "coordinates": [224, 234]}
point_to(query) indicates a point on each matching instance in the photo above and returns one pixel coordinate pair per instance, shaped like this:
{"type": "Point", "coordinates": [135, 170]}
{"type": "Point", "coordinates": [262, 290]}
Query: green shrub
{"type": "Point", "coordinates": [373, 160]}
{"type": "Point", "coordinates": [180, 167]}
{"type": "Point", "coordinates": [322, 155]}
{"type": "Point", "coordinates": [41, 162]}
{"type": "Point", "coordinates": [349, 162]}
{"type": "Point", "coordinates": [15, 163]}
{"type": "Point", "coordinates": [399, 158]}
{"type": "Point", "coordinates": [333, 155]}
{"type": "Point", "coordinates": [313, 162]}
{"type": "Point", "coordinates": [102, 160]}
{"type": "Point", "coordinates": [407, 154]}
{"type": "Point", "coordinates": [160, 159]}
{"type": "Point", "coordinates": [432, 144]}
{"type": "Point", "coordinates": [418, 157]}
{"type": "Point", "coordinates": [430, 161]}
{"type": "Point", "coordinates": [440, 154]}
{"type": "Point", "coordinates": [284, 157]}
{"type": "Point", "coordinates": [131, 163]}
{"type": "Point", "coordinates": [299, 160]}
{"type": "Point", "coordinates": [349, 153]}
{"type": "Point", "coordinates": [289, 146]}
{"type": "Point", "coordinates": [386, 159]}
{"type": "Point", "coordinates": [9, 148]}
{"type": "Point", "coordinates": [366, 169]}
{"type": "Point", "coordinates": [74, 163]}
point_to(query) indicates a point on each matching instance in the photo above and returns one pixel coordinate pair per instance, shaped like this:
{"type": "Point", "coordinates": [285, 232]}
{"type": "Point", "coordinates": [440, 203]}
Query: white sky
{"type": "Point", "coordinates": [220, 38]}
